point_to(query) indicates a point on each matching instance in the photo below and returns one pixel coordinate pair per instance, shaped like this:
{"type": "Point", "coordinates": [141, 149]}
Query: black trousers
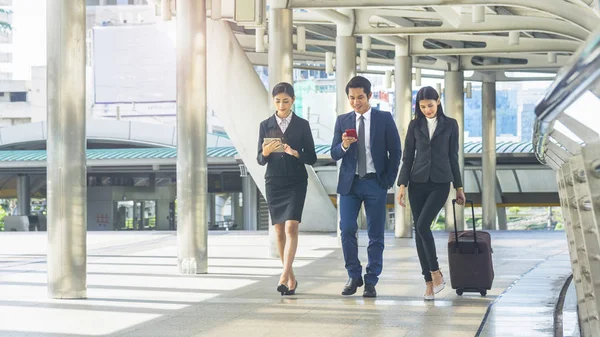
{"type": "Point", "coordinates": [426, 201]}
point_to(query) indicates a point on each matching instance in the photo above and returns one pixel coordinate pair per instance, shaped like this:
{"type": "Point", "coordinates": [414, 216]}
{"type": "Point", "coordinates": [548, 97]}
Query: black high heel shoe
{"type": "Point", "coordinates": [283, 289]}
{"type": "Point", "coordinates": [292, 291]}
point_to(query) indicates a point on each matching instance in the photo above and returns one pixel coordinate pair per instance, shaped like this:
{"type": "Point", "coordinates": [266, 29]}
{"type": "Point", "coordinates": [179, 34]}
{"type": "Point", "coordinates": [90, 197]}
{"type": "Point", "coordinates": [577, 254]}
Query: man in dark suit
{"type": "Point", "coordinates": [369, 167]}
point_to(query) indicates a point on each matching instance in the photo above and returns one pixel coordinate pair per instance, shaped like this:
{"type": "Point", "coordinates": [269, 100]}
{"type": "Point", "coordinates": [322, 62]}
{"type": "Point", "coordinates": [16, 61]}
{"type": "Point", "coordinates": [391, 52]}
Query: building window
{"type": "Point", "coordinates": [18, 96]}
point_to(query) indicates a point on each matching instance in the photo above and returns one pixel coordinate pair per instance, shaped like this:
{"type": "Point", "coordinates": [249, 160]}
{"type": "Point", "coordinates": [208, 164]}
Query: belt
{"type": "Point", "coordinates": [366, 176]}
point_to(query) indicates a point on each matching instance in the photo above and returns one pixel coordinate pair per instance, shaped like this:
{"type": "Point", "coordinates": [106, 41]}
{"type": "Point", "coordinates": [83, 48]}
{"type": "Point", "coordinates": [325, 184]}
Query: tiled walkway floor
{"type": "Point", "coordinates": [134, 290]}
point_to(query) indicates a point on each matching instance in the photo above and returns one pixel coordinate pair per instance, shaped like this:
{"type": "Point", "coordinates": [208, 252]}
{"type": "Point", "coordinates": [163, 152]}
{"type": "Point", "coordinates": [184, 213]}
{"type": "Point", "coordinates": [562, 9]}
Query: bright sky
{"type": "Point", "coordinates": [29, 36]}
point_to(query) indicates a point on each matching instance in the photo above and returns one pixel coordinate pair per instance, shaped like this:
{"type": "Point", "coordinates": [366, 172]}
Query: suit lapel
{"type": "Point", "coordinates": [440, 126]}
{"type": "Point", "coordinates": [351, 120]}
{"type": "Point", "coordinates": [274, 131]}
{"type": "Point", "coordinates": [350, 123]}
{"type": "Point", "coordinates": [372, 127]}
{"type": "Point", "coordinates": [272, 122]}
{"type": "Point", "coordinates": [292, 122]}
{"type": "Point", "coordinates": [423, 127]}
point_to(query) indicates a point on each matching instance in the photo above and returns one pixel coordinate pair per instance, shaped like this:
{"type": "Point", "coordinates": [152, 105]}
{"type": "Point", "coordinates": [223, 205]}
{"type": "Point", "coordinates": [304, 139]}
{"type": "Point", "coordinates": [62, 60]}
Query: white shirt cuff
{"type": "Point", "coordinates": [342, 145]}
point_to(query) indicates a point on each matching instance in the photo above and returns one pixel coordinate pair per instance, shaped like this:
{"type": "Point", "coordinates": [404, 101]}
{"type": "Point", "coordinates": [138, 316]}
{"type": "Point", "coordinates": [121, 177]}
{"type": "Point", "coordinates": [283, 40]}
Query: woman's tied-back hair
{"type": "Point", "coordinates": [427, 93]}
{"type": "Point", "coordinates": [283, 87]}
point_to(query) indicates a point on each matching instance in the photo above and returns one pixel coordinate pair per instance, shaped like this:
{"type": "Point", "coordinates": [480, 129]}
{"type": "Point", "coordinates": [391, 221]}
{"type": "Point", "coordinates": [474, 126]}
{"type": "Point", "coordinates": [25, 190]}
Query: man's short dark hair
{"type": "Point", "coordinates": [359, 82]}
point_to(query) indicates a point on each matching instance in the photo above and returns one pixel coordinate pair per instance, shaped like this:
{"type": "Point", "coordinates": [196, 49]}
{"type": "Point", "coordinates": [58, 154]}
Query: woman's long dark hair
{"type": "Point", "coordinates": [427, 93]}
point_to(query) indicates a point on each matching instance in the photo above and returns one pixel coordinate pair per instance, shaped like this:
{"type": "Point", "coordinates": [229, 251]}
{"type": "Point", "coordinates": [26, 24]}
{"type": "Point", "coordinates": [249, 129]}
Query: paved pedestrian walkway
{"type": "Point", "coordinates": [134, 290]}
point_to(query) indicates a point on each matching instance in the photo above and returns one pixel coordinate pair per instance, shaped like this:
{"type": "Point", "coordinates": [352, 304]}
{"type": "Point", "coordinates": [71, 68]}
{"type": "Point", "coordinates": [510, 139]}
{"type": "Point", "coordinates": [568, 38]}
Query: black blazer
{"type": "Point", "coordinates": [299, 137]}
{"type": "Point", "coordinates": [436, 159]}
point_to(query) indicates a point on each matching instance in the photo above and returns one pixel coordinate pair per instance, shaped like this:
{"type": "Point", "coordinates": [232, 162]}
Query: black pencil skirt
{"type": "Point", "coordinates": [285, 197]}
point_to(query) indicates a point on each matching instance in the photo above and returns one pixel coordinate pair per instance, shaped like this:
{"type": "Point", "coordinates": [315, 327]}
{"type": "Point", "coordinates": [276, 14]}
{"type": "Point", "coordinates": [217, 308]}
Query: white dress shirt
{"type": "Point", "coordinates": [367, 115]}
{"type": "Point", "coordinates": [283, 122]}
{"type": "Point", "coordinates": [431, 125]}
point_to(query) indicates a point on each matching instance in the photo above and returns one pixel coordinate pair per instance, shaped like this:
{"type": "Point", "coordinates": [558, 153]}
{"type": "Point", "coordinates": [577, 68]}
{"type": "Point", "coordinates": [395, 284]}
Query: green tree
{"type": "Point", "coordinates": [515, 210]}
{"type": "Point", "coordinates": [2, 215]}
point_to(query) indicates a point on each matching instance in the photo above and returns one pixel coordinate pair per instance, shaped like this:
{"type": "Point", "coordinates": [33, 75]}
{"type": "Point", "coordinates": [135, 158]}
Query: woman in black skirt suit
{"type": "Point", "coordinates": [286, 177]}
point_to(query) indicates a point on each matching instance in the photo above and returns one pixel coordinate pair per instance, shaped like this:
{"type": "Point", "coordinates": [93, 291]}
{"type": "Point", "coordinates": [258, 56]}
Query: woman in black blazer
{"type": "Point", "coordinates": [286, 178]}
{"type": "Point", "coordinates": [429, 164]}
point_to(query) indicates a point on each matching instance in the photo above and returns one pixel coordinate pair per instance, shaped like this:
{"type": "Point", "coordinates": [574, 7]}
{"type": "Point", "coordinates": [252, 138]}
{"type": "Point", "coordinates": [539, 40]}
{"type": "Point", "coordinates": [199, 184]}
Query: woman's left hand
{"type": "Point", "coordinates": [290, 151]}
{"type": "Point", "coordinates": [460, 197]}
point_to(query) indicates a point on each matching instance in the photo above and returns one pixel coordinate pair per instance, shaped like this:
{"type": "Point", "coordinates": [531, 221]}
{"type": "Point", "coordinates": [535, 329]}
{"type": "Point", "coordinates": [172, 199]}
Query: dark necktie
{"type": "Point", "coordinates": [362, 148]}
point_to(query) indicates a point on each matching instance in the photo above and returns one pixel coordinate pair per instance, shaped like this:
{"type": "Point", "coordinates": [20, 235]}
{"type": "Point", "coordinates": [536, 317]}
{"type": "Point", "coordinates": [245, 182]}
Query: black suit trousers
{"type": "Point", "coordinates": [426, 201]}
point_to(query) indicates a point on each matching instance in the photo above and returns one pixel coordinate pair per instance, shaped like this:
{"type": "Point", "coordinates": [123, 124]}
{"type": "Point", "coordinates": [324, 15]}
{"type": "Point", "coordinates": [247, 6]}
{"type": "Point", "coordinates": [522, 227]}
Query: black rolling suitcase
{"type": "Point", "coordinates": [470, 258]}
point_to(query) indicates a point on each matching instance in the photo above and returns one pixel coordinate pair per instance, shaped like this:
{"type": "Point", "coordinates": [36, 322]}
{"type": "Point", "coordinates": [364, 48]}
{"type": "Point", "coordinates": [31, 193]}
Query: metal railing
{"type": "Point", "coordinates": [570, 145]}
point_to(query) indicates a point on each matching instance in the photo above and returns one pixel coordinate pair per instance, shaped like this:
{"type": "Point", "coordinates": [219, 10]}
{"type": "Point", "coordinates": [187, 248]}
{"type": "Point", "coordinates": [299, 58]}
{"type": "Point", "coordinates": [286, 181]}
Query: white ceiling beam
{"type": "Point", "coordinates": [397, 21]}
{"type": "Point", "coordinates": [326, 32]}
{"type": "Point", "coordinates": [247, 42]}
{"type": "Point", "coordinates": [575, 14]}
{"type": "Point", "coordinates": [394, 40]}
{"type": "Point", "coordinates": [500, 76]}
{"type": "Point", "coordinates": [403, 13]}
{"type": "Point", "coordinates": [310, 18]}
{"type": "Point", "coordinates": [534, 62]}
{"type": "Point", "coordinates": [494, 44]}
{"type": "Point", "coordinates": [450, 14]}
{"type": "Point", "coordinates": [334, 15]}
{"type": "Point", "coordinates": [492, 24]}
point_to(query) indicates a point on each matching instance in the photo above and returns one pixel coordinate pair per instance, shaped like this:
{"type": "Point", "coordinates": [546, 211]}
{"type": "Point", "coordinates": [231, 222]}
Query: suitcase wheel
{"type": "Point", "coordinates": [483, 292]}
{"type": "Point", "coordinates": [459, 292]}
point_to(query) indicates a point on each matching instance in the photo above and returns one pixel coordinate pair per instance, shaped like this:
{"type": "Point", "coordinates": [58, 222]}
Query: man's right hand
{"type": "Point", "coordinates": [268, 148]}
{"type": "Point", "coordinates": [347, 141]}
{"type": "Point", "coordinates": [401, 196]}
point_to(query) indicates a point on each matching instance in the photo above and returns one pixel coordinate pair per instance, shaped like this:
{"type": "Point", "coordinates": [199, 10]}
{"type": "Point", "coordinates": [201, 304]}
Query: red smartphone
{"type": "Point", "coordinates": [351, 133]}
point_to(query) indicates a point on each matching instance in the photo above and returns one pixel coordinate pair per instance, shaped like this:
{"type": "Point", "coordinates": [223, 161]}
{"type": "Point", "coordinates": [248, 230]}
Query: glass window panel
{"type": "Point", "coordinates": [537, 181]}
{"type": "Point", "coordinates": [508, 183]}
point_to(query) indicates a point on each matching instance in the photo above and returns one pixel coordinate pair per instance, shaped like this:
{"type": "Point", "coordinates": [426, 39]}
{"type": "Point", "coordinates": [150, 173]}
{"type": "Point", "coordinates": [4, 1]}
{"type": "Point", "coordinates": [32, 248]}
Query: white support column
{"type": "Point", "coordinates": [454, 107]}
{"type": "Point", "coordinates": [280, 70]}
{"type": "Point", "coordinates": [403, 107]}
{"type": "Point", "coordinates": [488, 156]}
{"type": "Point", "coordinates": [66, 179]}
{"type": "Point", "coordinates": [192, 186]}
{"type": "Point", "coordinates": [345, 69]}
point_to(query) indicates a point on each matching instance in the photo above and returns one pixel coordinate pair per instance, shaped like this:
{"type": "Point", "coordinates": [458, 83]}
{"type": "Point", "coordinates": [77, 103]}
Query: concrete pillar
{"type": "Point", "coordinates": [143, 215]}
{"type": "Point", "coordinates": [403, 107]}
{"type": "Point", "coordinates": [236, 211]}
{"type": "Point", "coordinates": [192, 187]}
{"type": "Point", "coordinates": [488, 156]}
{"type": "Point", "coordinates": [152, 180]}
{"type": "Point", "coordinates": [345, 69]}
{"type": "Point", "coordinates": [66, 176]}
{"type": "Point", "coordinates": [280, 69]}
{"type": "Point", "coordinates": [250, 204]}
{"type": "Point", "coordinates": [212, 209]}
{"type": "Point", "coordinates": [454, 99]}
{"type": "Point", "coordinates": [502, 219]}
{"type": "Point", "coordinates": [280, 47]}
{"type": "Point", "coordinates": [23, 194]}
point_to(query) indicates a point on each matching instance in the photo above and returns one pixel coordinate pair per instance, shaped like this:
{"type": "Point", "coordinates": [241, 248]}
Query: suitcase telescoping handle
{"type": "Point", "coordinates": [473, 218]}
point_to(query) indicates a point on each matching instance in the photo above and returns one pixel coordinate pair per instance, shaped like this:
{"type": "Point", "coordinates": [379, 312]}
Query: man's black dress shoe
{"type": "Point", "coordinates": [369, 291]}
{"type": "Point", "coordinates": [352, 285]}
